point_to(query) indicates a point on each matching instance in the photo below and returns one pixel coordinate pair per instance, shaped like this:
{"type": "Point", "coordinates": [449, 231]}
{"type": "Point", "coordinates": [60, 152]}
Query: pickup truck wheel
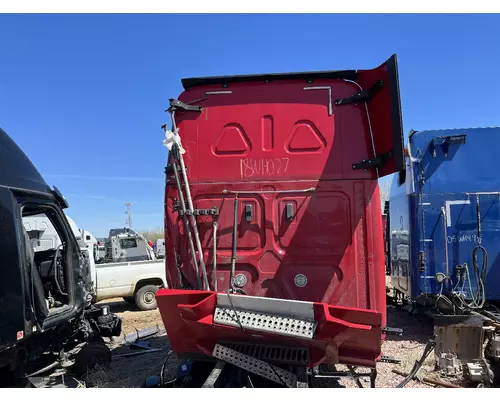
{"type": "Point", "coordinates": [145, 298]}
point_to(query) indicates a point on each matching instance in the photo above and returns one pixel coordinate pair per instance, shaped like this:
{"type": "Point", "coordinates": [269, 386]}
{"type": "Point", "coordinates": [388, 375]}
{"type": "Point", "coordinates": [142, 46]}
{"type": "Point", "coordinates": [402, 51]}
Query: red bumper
{"type": "Point", "coordinates": [343, 335]}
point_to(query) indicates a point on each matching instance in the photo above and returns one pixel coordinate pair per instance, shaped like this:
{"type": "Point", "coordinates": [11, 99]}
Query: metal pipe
{"type": "Point", "coordinates": [440, 383]}
{"type": "Point", "coordinates": [44, 369]}
{"type": "Point", "coordinates": [215, 253]}
{"type": "Point", "coordinates": [352, 373]}
{"type": "Point", "coordinates": [355, 377]}
{"type": "Point", "coordinates": [483, 193]}
{"type": "Point", "coordinates": [145, 333]}
{"type": "Point", "coordinates": [418, 364]}
{"type": "Point", "coordinates": [369, 124]}
{"type": "Point", "coordinates": [311, 189]}
{"type": "Point", "coordinates": [191, 209]}
{"type": "Point", "coordinates": [478, 216]}
{"type": "Point", "coordinates": [137, 353]}
{"type": "Point", "coordinates": [423, 268]}
{"type": "Point", "coordinates": [428, 380]}
{"type": "Point", "coordinates": [186, 225]}
{"type": "Point", "coordinates": [445, 231]}
{"type": "Point", "coordinates": [211, 380]}
{"type": "Point", "coordinates": [343, 375]}
{"type": "Point", "coordinates": [235, 236]}
{"type": "Point", "coordinates": [481, 274]}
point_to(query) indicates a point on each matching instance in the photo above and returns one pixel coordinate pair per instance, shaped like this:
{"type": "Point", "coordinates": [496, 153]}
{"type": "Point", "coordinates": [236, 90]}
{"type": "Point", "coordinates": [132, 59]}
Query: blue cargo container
{"type": "Point", "coordinates": [444, 218]}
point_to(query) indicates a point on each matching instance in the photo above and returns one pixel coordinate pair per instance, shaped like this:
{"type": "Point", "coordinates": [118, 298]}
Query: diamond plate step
{"type": "Point", "coordinates": [271, 353]}
{"type": "Point", "coordinates": [255, 366]}
{"type": "Point", "coordinates": [265, 322]}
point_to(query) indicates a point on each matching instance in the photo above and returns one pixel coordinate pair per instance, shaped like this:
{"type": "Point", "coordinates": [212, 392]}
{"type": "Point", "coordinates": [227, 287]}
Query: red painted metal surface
{"type": "Point", "coordinates": [344, 335]}
{"type": "Point", "coordinates": [265, 139]}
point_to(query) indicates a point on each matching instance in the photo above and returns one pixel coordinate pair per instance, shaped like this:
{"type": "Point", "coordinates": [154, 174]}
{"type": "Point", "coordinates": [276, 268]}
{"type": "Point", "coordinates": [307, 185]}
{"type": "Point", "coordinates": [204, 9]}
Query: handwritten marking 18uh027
{"type": "Point", "coordinates": [263, 167]}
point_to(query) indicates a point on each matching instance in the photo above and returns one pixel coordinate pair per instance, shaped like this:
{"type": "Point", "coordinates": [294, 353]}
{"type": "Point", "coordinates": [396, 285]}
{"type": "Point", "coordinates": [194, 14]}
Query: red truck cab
{"type": "Point", "coordinates": [300, 153]}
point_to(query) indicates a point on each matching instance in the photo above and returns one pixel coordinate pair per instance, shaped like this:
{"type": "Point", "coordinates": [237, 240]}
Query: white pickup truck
{"type": "Point", "coordinates": [130, 270]}
{"type": "Point", "coordinates": [136, 281]}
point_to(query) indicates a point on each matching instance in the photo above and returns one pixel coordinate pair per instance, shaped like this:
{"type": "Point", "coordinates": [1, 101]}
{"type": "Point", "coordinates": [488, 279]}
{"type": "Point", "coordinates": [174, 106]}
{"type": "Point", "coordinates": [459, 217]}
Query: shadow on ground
{"type": "Point", "coordinates": [119, 306]}
{"type": "Point", "coordinates": [132, 371]}
{"type": "Point", "coordinates": [416, 327]}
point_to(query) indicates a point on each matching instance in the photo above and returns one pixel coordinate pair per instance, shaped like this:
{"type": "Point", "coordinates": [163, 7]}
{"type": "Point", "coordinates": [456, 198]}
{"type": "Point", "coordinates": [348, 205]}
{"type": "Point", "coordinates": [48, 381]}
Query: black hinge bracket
{"type": "Point", "coordinates": [179, 105]}
{"type": "Point", "coordinates": [374, 162]}
{"type": "Point", "coordinates": [214, 211]}
{"type": "Point", "coordinates": [169, 169]}
{"type": "Point", "coordinates": [386, 207]}
{"type": "Point", "coordinates": [392, 331]}
{"type": "Point", "coordinates": [363, 96]}
{"type": "Point", "coordinates": [445, 142]}
{"type": "Point", "coordinates": [177, 205]}
{"type": "Point", "coordinates": [389, 360]}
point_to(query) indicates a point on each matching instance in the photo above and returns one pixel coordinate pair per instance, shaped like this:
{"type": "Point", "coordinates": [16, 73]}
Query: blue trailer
{"type": "Point", "coordinates": [444, 219]}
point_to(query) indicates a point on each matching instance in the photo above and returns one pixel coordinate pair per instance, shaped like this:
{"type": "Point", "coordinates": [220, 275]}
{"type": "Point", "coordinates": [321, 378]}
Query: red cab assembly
{"type": "Point", "coordinates": [273, 225]}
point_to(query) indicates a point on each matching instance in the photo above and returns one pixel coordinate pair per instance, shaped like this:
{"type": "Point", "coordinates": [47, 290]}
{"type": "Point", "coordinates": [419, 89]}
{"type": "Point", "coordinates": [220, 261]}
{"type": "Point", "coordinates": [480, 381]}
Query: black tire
{"type": "Point", "coordinates": [97, 339]}
{"type": "Point", "coordinates": [129, 300]}
{"type": "Point", "coordinates": [92, 355]}
{"type": "Point", "coordinates": [145, 298]}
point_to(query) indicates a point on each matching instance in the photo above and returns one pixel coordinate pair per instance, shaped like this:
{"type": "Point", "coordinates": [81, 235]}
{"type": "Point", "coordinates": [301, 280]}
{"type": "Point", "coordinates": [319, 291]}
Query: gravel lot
{"type": "Point", "coordinates": [132, 371]}
{"type": "Point", "coordinates": [129, 372]}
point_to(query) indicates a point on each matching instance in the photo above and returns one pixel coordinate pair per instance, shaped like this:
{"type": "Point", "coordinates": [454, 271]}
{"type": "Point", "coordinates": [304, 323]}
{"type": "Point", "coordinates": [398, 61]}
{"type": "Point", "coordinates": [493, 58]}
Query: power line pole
{"type": "Point", "coordinates": [128, 219]}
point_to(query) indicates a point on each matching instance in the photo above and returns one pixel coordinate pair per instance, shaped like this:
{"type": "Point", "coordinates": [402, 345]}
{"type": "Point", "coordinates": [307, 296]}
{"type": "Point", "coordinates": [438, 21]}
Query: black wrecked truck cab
{"type": "Point", "coordinates": [45, 296]}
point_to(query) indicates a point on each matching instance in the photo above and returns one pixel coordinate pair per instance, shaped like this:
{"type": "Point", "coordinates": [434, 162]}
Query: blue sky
{"type": "Point", "coordinates": [84, 95]}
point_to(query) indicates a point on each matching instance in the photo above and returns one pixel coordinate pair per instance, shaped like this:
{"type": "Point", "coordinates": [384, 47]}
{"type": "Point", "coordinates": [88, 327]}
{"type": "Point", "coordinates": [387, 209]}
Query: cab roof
{"type": "Point", "coordinates": [16, 169]}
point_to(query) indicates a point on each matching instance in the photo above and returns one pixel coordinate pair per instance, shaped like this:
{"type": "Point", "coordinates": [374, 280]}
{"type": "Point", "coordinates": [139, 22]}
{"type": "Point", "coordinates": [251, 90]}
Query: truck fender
{"type": "Point", "coordinates": [145, 277]}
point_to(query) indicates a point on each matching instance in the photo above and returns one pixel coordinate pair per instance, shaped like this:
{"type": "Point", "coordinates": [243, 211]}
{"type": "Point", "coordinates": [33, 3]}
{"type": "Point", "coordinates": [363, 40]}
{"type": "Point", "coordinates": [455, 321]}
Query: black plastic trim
{"type": "Point", "coordinates": [396, 114]}
{"type": "Point", "coordinates": [188, 83]}
{"type": "Point", "coordinates": [60, 198]}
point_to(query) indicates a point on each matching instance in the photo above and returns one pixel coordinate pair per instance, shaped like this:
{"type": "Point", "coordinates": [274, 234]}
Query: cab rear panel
{"type": "Point", "coordinates": [295, 151]}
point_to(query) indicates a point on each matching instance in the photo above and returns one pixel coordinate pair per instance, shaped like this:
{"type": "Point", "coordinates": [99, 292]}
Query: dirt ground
{"type": "Point", "coordinates": [132, 371]}
{"type": "Point", "coordinates": [133, 318]}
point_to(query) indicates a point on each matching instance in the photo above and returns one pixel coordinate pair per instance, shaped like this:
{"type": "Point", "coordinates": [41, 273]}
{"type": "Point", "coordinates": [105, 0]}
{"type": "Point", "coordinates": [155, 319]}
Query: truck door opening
{"type": "Point", "coordinates": [47, 259]}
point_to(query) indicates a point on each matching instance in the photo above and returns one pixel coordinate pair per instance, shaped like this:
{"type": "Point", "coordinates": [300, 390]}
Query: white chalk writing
{"type": "Point", "coordinates": [463, 238]}
{"type": "Point", "coordinates": [263, 167]}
